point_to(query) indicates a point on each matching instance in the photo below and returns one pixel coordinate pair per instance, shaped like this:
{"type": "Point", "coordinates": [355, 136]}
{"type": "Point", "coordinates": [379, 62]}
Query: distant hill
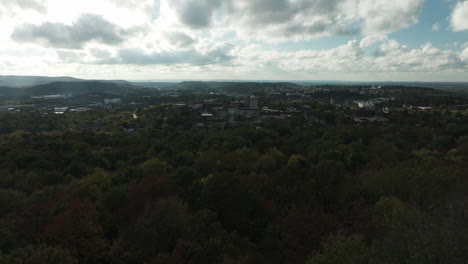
{"type": "Point", "coordinates": [436, 85]}
{"type": "Point", "coordinates": [75, 87]}
{"type": "Point", "coordinates": [245, 87]}
{"type": "Point", "coordinates": [152, 84]}
{"type": "Point", "coordinates": [27, 81]}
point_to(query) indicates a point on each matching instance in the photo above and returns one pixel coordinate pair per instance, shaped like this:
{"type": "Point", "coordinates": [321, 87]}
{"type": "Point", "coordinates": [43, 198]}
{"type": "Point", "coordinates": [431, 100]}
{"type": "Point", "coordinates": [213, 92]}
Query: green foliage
{"type": "Point", "coordinates": [154, 167]}
{"type": "Point", "coordinates": [160, 226]}
{"type": "Point", "coordinates": [76, 229]}
{"type": "Point", "coordinates": [339, 248]}
{"type": "Point", "coordinates": [170, 193]}
{"type": "Point", "coordinates": [39, 255]}
{"type": "Point", "coordinates": [412, 236]}
{"type": "Point", "coordinates": [462, 149]}
{"type": "Point", "coordinates": [297, 162]}
{"type": "Point", "coordinates": [99, 178]}
{"type": "Point", "coordinates": [11, 201]}
{"type": "Point", "coordinates": [114, 199]}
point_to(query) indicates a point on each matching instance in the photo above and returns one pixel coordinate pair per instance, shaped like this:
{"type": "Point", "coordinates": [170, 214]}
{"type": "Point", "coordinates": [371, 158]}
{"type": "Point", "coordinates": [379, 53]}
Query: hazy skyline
{"type": "Point", "coordinates": [353, 40]}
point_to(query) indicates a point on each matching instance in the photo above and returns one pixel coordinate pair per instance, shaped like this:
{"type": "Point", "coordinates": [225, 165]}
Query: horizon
{"type": "Point", "coordinates": [16, 81]}
{"type": "Point", "coordinates": [236, 80]}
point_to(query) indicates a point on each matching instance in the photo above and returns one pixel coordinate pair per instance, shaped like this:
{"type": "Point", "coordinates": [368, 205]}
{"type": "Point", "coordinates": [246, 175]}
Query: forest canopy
{"type": "Point", "coordinates": [166, 191]}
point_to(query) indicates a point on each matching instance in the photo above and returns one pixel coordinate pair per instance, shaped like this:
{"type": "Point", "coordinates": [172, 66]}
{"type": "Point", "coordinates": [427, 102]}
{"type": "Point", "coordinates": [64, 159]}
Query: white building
{"type": "Point", "coordinates": [365, 104]}
{"type": "Point", "coordinates": [60, 110]}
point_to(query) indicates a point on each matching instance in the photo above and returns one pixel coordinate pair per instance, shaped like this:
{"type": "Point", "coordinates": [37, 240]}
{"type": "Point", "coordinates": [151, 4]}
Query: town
{"type": "Point", "coordinates": [217, 105]}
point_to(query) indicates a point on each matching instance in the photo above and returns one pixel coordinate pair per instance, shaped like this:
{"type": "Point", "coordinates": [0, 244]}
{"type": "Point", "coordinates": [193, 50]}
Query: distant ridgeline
{"type": "Point", "coordinates": [64, 88]}
{"type": "Point", "coordinates": [25, 81]}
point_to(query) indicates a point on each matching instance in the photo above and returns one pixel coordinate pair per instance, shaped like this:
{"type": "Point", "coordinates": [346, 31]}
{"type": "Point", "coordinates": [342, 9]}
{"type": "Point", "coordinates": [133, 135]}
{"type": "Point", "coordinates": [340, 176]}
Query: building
{"type": "Point", "coordinates": [112, 101]}
{"type": "Point", "coordinates": [365, 104]}
{"type": "Point", "coordinates": [60, 110]}
{"type": "Point", "coordinates": [253, 102]}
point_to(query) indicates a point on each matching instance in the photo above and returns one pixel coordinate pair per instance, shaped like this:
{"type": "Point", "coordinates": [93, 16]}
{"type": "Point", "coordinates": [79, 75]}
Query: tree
{"type": "Point", "coordinates": [154, 166]}
{"type": "Point", "coordinates": [11, 201]}
{"type": "Point", "coordinates": [76, 228]}
{"type": "Point", "coordinates": [160, 226]}
{"type": "Point", "coordinates": [339, 248]}
{"type": "Point", "coordinates": [297, 162]}
{"type": "Point", "coordinates": [39, 255]}
{"type": "Point", "coordinates": [409, 235]}
{"type": "Point", "coordinates": [301, 231]}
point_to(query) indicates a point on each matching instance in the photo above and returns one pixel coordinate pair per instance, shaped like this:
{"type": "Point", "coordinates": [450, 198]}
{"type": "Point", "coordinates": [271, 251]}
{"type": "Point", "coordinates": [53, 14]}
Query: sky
{"type": "Point", "coordinates": [345, 40]}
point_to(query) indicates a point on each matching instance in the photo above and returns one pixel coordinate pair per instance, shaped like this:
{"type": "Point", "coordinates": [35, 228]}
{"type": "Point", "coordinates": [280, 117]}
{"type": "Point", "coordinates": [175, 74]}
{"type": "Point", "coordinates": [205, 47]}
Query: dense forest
{"type": "Point", "coordinates": [166, 192]}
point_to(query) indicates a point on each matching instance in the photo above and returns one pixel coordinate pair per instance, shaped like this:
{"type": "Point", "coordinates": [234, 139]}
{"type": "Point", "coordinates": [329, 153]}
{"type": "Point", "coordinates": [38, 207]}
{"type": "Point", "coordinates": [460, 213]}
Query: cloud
{"type": "Point", "coordinates": [392, 57]}
{"type": "Point", "coordinates": [179, 39]}
{"type": "Point", "coordinates": [100, 53]}
{"type": "Point", "coordinates": [149, 8]}
{"type": "Point", "coordinates": [70, 56]}
{"type": "Point", "coordinates": [459, 17]}
{"type": "Point", "coordinates": [133, 3]}
{"type": "Point", "coordinates": [370, 40]}
{"type": "Point", "coordinates": [191, 36]}
{"type": "Point", "coordinates": [279, 20]}
{"type": "Point", "coordinates": [436, 27]}
{"type": "Point", "coordinates": [383, 16]}
{"type": "Point", "coordinates": [389, 56]}
{"type": "Point", "coordinates": [10, 6]}
{"type": "Point", "coordinates": [204, 53]}
{"type": "Point", "coordinates": [208, 60]}
{"type": "Point", "coordinates": [196, 14]}
{"type": "Point", "coordinates": [285, 20]}
{"type": "Point", "coordinates": [464, 53]}
{"type": "Point", "coordinates": [87, 28]}
{"type": "Point", "coordinates": [390, 48]}
{"type": "Point", "coordinates": [37, 5]}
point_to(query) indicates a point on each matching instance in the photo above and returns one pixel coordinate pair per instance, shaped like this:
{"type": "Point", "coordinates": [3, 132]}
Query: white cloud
{"type": "Point", "coordinates": [281, 20]}
{"type": "Point", "coordinates": [88, 27]}
{"type": "Point", "coordinates": [390, 57]}
{"type": "Point", "coordinates": [265, 20]}
{"type": "Point", "coordinates": [285, 20]}
{"type": "Point", "coordinates": [383, 16]}
{"type": "Point", "coordinates": [220, 39]}
{"type": "Point", "coordinates": [70, 56]}
{"type": "Point", "coordinates": [207, 59]}
{"type": "Point", "coordinates": [464, 55]}
{"type": "Point", "coordinates": [436, 27]}
{"type": "Point", "coordinates": [196, 14]}
{"type": "Point", "coordinates": [179, 39]}
{"type": "Point", "coordinates": [459, 17]}
{"type": "Point", "coordinates": [203, 52]}
{"type": "Point", "coordinates": [11, 7]}
{"type": "Point", "coordinates": [370, 40]}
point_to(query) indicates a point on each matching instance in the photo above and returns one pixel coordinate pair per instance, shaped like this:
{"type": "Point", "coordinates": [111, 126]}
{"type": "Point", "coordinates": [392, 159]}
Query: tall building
{"type": "Point", "coordinates": [253, 102]}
